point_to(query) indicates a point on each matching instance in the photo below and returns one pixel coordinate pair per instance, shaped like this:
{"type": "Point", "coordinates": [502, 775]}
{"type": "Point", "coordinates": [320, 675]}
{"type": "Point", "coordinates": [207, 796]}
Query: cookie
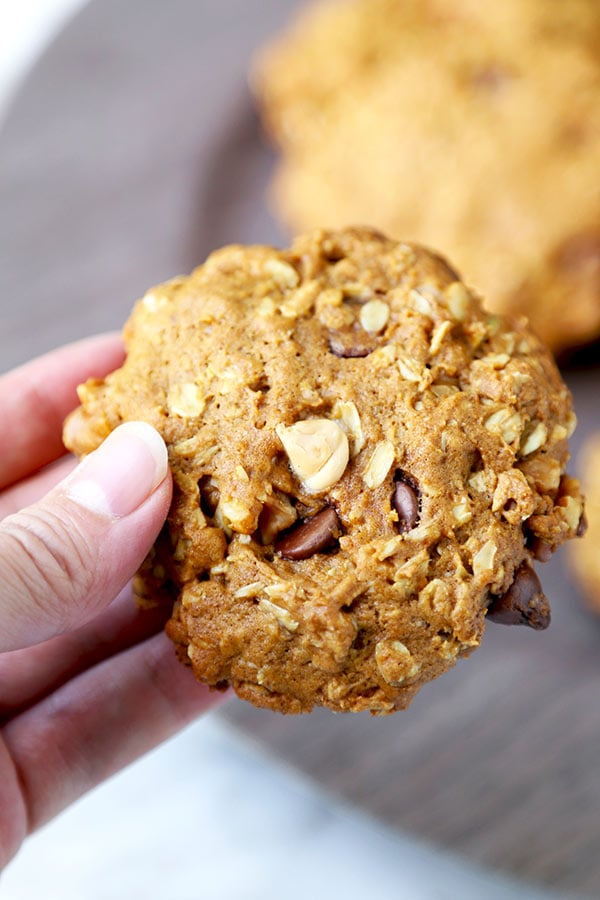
{"type": "Point", "coordinates": [586, 555]}
{"type": "Point", "coordinates": [365, 464]}
{"type": "Point", "coordinates": [474, 127]}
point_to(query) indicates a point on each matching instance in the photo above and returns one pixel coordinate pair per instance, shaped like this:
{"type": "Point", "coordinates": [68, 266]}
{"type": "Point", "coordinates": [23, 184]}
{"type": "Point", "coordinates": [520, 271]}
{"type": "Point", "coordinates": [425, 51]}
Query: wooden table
{"type": "Point", "coordinates": [131, 151]}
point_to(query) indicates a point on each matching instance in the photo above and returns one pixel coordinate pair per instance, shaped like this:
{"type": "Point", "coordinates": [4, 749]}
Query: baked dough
{"type": "Point", "coordinates": [365, 463]}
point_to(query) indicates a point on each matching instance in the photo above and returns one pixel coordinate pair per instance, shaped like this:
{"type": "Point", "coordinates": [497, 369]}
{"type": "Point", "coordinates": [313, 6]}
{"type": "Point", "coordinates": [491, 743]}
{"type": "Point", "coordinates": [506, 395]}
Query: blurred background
{"type": "Point", "coordinates": [130, 147]}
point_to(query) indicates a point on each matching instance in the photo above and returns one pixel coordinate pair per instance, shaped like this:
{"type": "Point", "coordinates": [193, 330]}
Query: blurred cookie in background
{"type": "Point", "coordinates": [470, 126]}
{"type": "Point", "coordinates": [586, 555]}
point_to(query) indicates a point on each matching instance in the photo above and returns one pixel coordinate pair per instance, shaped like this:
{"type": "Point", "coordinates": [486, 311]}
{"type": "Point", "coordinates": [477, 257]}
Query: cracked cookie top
{"type": "Point", "coordinates": [365, 464]}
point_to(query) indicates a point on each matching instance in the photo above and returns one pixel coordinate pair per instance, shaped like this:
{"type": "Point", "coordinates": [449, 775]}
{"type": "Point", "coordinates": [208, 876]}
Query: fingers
{"type": "Point", "coordinates": [13, 818]}
{"type": "Point", "coordinates": [29, 675]}
{"type": "Point", "coordinates": [33, 489]}
{"type": "Point", "coordinates": [99, 723]}
{"type": "Point", "coordinates": [65, 558]}
{"type": "Point", "coordinates": [36, 397]}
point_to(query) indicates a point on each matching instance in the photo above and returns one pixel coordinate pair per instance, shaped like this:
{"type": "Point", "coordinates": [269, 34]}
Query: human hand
{"type": "Point", "coordinates": [87, 682]}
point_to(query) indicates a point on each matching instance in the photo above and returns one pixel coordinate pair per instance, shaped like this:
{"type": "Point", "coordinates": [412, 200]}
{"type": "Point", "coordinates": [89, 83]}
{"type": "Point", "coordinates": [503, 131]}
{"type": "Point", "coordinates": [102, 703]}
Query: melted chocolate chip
{"type": "Point", "coordinates": [542, 550]}
{"type": "Point", "coordinates": [351, 343]}
{"type": "Point", "coordinates": [312, 536]}
{"type": "Point", "coordinates": [524, 603]}
{"type": "Point", "coordinates": [490, 77]}
{"type": "Point", "coordinates": [405, 501]}
{"type": "Point", "coordinates": [209, 495]}
{"type": "Point", "coordinates": [583, 525]}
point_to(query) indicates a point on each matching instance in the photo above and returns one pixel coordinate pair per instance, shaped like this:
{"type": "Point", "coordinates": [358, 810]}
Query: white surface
{"type": "Point", "coordinates": [204, 816]}
{"type": "Point", "coordinates": [26, 27]}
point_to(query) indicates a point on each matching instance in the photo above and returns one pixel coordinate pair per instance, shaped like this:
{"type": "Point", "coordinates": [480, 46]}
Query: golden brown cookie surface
{"type": "Point", "coordinates": [364, 462]}
{"type": "Point", "coordinates": [474, 127]}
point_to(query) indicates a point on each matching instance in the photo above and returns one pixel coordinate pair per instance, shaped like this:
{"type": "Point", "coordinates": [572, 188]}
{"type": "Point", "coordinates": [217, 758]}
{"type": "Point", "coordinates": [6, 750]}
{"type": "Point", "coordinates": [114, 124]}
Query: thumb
{"type": "Point", "coordinates": [65, 558]}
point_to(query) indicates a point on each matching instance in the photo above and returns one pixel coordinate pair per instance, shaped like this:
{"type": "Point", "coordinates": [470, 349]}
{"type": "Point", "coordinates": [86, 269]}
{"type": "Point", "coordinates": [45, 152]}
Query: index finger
{"type": "Point", "coordinates": [36, 397]}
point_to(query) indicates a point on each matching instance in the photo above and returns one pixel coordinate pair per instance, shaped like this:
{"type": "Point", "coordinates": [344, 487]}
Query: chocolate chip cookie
{"type": "Point", "coordinates": [586, 555]}
{"type": "Point", "coordinates": [474, 127]}
{"type": "Point", "coordinates": [366, 464]}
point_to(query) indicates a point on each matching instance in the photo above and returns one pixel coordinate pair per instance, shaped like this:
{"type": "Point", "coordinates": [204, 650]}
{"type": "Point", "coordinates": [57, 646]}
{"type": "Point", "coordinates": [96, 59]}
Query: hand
{"type": "Point", "coordinates": [87, 682]}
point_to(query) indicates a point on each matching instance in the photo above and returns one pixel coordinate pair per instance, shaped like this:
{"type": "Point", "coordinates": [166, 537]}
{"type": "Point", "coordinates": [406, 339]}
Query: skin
{"type": "Point", "coordinates": [88, 682]}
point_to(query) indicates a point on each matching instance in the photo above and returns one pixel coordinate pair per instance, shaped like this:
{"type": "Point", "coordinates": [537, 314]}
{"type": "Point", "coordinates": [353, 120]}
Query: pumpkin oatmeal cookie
{"type": "Point", "coordinates": [366, 466]}
{"type": "Point", "coordinates": [470, 126]}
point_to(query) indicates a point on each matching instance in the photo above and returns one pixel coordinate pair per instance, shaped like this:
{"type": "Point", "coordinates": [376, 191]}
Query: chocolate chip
{"type": "Point", "coordinates": [542, 550]}
{"type": "Point", "coordinates": [524, 603]}
{"type": "Point", "coordinates": [490, 77]}
{"type": "Point", "coordinates": [583, 525]}
{"type": "Point", "coordinates": [351, 343]}
{"type": "Point", "coordinates": [312, 536]}
{"type": "Point", "coordinates": [333, 253]}
{"type": "Point", "coordinates": [405, 501]}
{"type": "Point", "coordinates": [209, 495]}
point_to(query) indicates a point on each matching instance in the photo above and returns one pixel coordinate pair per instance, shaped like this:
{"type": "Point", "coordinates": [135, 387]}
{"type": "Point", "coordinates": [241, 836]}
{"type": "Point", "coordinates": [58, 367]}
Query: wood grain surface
{"type": "Point", "coordinates": [130, 152]}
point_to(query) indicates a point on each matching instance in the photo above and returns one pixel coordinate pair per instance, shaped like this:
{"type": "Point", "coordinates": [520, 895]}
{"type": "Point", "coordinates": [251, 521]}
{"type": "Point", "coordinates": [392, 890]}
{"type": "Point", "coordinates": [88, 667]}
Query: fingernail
{"type": "Point", "coordinates": [122, 473]}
